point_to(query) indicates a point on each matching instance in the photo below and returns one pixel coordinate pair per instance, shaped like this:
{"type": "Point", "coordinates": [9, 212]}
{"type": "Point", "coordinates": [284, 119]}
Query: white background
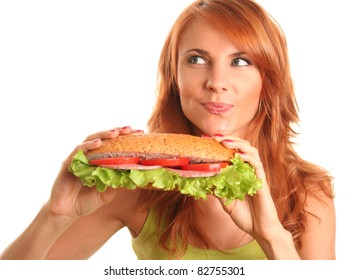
{"type": "Point", "coordinates": [71, 68]}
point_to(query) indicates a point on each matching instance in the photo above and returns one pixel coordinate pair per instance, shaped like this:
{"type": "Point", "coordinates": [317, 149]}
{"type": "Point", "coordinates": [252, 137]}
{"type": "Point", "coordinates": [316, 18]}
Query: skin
{"type": "Point", "coordinates": [219, 85]}
{"type": "Point", "coordinates": [80, 216]}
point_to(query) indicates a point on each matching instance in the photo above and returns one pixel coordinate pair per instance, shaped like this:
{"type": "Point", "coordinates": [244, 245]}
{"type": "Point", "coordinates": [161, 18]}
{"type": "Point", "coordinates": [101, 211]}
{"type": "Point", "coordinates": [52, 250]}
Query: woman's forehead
{"type": "Point", "coordinates": [202, 34]}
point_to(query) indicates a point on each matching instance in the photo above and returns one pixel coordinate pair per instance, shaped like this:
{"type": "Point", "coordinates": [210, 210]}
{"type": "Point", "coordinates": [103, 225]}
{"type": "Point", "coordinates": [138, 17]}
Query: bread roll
{"type": "Point", "coordinates": [162, 145]}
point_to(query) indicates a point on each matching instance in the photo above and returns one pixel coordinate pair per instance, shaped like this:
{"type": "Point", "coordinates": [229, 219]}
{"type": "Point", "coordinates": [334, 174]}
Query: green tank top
{"type": "Point", "coordinates": [146, 247]}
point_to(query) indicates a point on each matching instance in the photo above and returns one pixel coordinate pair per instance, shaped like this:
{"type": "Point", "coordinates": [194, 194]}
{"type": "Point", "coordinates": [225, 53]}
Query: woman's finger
{"type": "Point", "coordinates": [241, 147]}
{"type": "Point", "coordinates": [89, 145]}
{"type": "Point", "coordinates": [220, 138]}
{"type": "Point", "coordinates": [103, 135]}
{"type": "Point", "coordinates": [247, 153]}
{"type": "Point", "coordinates": [112, 133]}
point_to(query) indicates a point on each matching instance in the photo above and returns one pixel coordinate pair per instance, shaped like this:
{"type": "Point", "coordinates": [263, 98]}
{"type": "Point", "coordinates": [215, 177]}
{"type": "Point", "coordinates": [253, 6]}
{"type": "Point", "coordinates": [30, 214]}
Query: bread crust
{"type": "Point", "coordinates": [163, 145]}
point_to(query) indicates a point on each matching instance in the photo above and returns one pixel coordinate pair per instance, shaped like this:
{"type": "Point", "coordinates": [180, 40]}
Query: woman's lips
{"type": "Point", "coordinates": [217, 108]}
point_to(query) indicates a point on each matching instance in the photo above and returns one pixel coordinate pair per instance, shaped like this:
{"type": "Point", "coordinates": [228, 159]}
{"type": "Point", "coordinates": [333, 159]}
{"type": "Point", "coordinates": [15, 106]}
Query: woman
{"type": "Point", "coordinates": [223, 73]}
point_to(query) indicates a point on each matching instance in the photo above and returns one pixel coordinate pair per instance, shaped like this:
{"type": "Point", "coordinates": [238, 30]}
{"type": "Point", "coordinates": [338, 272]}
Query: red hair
{"type": "Point", "coordinates": [290, 178]}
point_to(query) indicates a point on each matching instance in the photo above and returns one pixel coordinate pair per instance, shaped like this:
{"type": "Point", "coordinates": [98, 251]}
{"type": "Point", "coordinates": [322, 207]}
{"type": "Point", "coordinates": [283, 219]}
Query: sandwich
{"type": "Point", "coordinates": [192, 165]}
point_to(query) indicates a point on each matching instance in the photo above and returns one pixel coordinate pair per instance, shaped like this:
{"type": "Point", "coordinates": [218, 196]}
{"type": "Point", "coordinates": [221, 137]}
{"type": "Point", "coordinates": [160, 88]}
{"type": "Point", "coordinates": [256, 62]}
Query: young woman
{"type": "Point", "coordinates": [223, 73]}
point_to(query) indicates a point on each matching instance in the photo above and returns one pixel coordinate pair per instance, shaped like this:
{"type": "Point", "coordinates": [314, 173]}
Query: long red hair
{"type": "Point", "coordinates": [290, 178]}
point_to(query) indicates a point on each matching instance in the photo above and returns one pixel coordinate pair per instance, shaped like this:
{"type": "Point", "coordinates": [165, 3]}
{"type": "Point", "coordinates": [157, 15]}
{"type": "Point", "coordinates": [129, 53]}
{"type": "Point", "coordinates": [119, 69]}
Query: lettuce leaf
{"type": "Point", "coordinates": [233, 182]}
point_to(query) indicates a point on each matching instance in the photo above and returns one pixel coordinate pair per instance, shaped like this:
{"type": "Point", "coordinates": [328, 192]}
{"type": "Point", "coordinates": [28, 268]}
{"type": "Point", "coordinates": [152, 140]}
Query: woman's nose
{"type": "Point", "coordinates": [218, 80]}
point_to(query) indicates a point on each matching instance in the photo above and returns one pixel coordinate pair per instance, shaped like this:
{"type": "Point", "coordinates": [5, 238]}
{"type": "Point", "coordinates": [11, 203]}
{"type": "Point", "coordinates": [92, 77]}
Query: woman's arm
{"type": "Point", "coordinates": [70, 204]}
{"type": "Point", "coordinates": [84, 237]}
{"type": "Point", "coordinates": [38, 238]}
{"type": "Point", "coordinates": [257, 216]}
{"type": "Point", "coordinates": [57, 237]}
{"type": "Point", "coordinates": [319, 236]}
{"type": "Point", "coordinates": [318, 239]}
{"type": "Point", "coordinates": [90, 232]}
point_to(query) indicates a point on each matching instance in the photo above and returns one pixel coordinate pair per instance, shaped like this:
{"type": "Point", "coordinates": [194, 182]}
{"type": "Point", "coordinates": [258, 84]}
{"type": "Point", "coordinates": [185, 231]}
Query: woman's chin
{"type": "Point", "coordinates": [219, 129]}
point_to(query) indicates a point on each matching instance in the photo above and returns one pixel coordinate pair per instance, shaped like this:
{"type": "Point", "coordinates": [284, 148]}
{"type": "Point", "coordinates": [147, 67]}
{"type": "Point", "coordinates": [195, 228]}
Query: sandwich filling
{"type": "Point", "coordinates": [233, 180]}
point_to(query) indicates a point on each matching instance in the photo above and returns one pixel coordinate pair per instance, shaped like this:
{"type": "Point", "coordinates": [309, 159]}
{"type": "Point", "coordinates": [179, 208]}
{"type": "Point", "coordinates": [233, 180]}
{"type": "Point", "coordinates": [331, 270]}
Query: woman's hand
{"type": "Point", "coordinates": [69, 201]}
{"type": "Point", "coordinates": [256, 214]}
{"type": "Point", "coordinates": [69, 197]}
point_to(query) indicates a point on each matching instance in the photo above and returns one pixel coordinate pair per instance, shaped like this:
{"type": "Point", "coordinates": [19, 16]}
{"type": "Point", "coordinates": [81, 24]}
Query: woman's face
{"type": "Point", "coordinates": [219, 86]}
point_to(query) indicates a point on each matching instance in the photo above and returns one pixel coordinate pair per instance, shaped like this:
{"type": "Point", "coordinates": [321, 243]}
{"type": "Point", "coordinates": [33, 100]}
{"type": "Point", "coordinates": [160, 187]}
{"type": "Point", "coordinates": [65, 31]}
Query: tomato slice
{"type": "Point", "coordinates": [113, 161]}
{"type": "Point", "coordinates": [168, 162]}
{"type": "Point", "coordinates": [205, 166]}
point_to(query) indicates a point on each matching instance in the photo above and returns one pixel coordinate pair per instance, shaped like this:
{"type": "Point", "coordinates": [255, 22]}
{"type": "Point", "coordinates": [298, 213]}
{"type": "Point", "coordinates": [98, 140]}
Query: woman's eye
{"type": "Point", "coordinates": [240, 62]}
{"type": "Point", "coordinates": [196, 60]}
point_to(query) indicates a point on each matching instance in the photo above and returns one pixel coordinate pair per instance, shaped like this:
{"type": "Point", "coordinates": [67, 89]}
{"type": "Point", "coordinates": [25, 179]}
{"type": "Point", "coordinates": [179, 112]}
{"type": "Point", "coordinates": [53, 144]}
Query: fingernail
{"type": "Point", "coordinates": [218, 135]}
{"type": "Point", "coordinates": [96, 141]}
{"type": "Point", "coordinates": [126, 127]}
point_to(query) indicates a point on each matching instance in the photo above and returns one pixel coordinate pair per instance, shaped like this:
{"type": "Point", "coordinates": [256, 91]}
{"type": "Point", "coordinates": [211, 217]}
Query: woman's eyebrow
{"type": "Point", "coordinates": [203, 52]}
{"type": "Point", "coordinates": [237, 54]}
{"type": "Point", "coordinates": [200, 51]}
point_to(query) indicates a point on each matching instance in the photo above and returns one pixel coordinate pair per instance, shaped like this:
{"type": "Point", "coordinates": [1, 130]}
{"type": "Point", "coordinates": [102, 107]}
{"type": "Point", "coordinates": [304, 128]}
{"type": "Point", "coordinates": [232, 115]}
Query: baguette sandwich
{"type": "Point", "coordinates": [192, 165]}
